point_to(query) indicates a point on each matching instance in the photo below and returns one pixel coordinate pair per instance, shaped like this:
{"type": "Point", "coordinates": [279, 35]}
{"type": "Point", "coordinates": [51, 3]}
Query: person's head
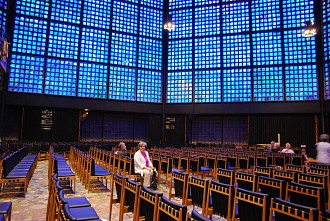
{"type": "Point", "coordinates": [272, 143]}
{"type": "Point", "coordinates": [277, 145]}
{"type": "Point", "coordinates": [303, 151]}
{"type": "Point", "coordinates": [324, 138]}
{"type": "Point", "coordinates": [142, 146]}
{"type": "Point", "coordinates": [122, 146]}
{"type": "Point", "coordinates": [287, 145]}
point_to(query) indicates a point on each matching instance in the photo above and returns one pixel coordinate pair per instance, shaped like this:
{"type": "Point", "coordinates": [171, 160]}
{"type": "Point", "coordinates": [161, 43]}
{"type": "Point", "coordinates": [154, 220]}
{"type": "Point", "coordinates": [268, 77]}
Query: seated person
{"type": "Point", "coordinates": [271, 147]}
{"type": "Point", "coordinates": [304, 154]}
{"type": "Point", "coordinates": [287, 149]}
{"type": "Point", "coordinates": [122, 151]}
{"type": "Point", "coordinates": [143, 165]}
{"type": "Point", "coordinates": [276, 148]}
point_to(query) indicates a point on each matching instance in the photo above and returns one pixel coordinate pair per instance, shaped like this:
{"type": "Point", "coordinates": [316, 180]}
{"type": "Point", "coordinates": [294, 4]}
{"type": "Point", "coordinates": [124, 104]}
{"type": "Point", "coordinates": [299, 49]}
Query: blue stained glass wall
{"type": "Point", "coordinates": [66, 11]}
{"type": "Point", "coordinates": [327, 80]}
{"type": "Point", "coordinates": [326, 46]}
{"type": "Point", "coordinates": [97, 13]}
{"type": "Point", "coordinates": [125, 17]}
{"type": "Point", "coordinates": [265, 15]}
{"type": "Point", "coordinates": [208, 86]}
{"type": "Point", "coordinates": [183, 24]}
{"type": "Point", "coordinates": [235, 17]}
{"type": "Point", "coordinates": [122, 83]}
{"type": "Point", "coordinates": [237, 85]}
{"type": "Point", "coordinates": [153, 3]}
{"type": "Point", "coordinates": [179, 89]}
{"type": "Point", "coordinates": [240, 56]}
{"type": "Point", "coordinates": [180, 54]}
{"type": "Point", "coordinates": [149, 86]}
{"type": "Point", "coordinates": [123, 50]}
{"type": "Point", "coordinates": [39, 8]}
{"type": "Point", "coordinates": [296, 12]}
{"type": "Point", "coordinates": [151, 22]}
{"type": "Point", "coordinates": [207, 21]}
{"type": "Point", "coordinates": [207, 52]}
{"type": "Point", "coordinates": [150, 53]}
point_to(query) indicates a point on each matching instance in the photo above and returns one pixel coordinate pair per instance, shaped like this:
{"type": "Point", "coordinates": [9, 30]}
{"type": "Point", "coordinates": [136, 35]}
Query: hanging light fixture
{"type": "Point", "coordinates": [309, 30]}
{"type": "Point", "coordinates": [169, 25]}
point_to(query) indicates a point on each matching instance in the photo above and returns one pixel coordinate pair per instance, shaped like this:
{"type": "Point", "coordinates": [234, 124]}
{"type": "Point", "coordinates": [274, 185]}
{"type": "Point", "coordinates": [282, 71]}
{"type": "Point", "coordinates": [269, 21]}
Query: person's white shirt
{"type": "Point", "coordinates": [323, 152]}
{"type": "Point", "coordinates": [285, 150]}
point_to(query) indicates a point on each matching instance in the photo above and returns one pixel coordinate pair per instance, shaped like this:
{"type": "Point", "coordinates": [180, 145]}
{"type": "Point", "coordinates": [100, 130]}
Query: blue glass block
{"type": "Point", "coordinates": [123, 50]}
{"type": "Point", "coordinates": [207, 52]}
{"type": "Point", "coordinates": [207, 21]}
{"type": "Point", "coordinates": [66, 11]}
{"type": "Point", "coordinates": [125, 17]}
{"type": "Point", "coordinates": [151, 22]}
{"type": "Point", "coordinates": [133, 1]}
{"type": "Point", "coordinates": [267, 48]}
{"type": "Point", "coordinates": [301, 83]}
{"type": "Point", "coordinates": [326, 42]}
{"type": "Point", "coordinates": [265, 15]}
{"type": "Point", "coordinates": [236, 51]}
{"type": "Point", "coordinates": [94, 45]}
{"type": "Point", "coordinates": [268, 84]}
{"type": "Point", "coordinates": [34, 8]}
{"type": "Point", "coordinates": [298, 49]}
{"type": "Point", "coordinates": [235, 17]}
{"type": "Point", "coordinates": [182, 20]}
{"type": "Point", "coordinates": [206, 2]}
{"type": "Point", "coordinates": [327, 80]}
{"type": "Point", "coordinates": [4, 4]}
{"type": "Point", "coordinates": [153, 3]}
{"type": "Point", "coordinates": [180, 54]}
{"type": "Point", "coordinates": [97, 13]}
{"type": "Point", "coordinates": [237, 85]}
{"type": "Point", "coordinates": [326, 11]}
{"type": "Point", "coordinates": [122, 83]}
{"type": "Point", "coordinates": [149, 86]}
{"type": "Point", "coordinates": [3, 20]}
{"type": "Point", "coordinates": [150, 53]}
{"type": "Point", "coordinates": [179, 87]}
{"type": "Point", "coordinates": [26, 74]}
{"type": "Point", "coordinates": [208, 86]}
{"type": "Point", "coordinates": [297, 12]}
{"type": "Point", "coordinates": [63, 41]}
{"type": "Point", "coordinates": [180, 4]}
{"type": "Point", "coordinates": [92, 80]}
{"type": "Point", "coordinates": [29, 36]}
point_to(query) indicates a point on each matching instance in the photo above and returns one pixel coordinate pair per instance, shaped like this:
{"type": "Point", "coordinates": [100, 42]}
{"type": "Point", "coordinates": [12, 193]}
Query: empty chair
{"type": "Point", "coordinates": [179, 181]}
{"type": "Point", "coordinates": [80, 214]}
{"type": "Point", "coordinates": [170, 211]}
{"type": "Point", "coordinates": [287, 176]}
{"type": "Point", "coordinates": [147, 204]}
{"type": "Point", "coordinates": [263, 171]}
{"type": "Point", "coordinates": [246, 181]}
{"type": "Point", "coordinates": [271, 186]}
{"type": "Point", "coordinates": [130, 198]}
{"type": "Point", "coordinates": [196, 192]}
{"type": "Point", "coordinates": [222, 162]}
{"type": "Point", "coordinates": [225, 176]}
{"type": "Point", "coordinates": [117, 183]}
{"type": "Point", "coordinates": [5, 210]}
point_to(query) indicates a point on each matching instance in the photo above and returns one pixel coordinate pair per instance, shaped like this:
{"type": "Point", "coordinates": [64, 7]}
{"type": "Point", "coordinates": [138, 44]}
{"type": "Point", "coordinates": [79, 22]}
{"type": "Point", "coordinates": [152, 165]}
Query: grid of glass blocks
{"type": "Point", "coordinates": [235, 17]}
{"type": "Point", "coordinates": [122, 83]}
{"type": "Point", "coordinates": [179, 87]}
{"type": "Point", "coordinates": [265, 15]}
{"type": "Point", "coordinates": [92, 80]}
{"type": "Point", "coordinates": [326, 43]}
{"type": "Point", "coordinates": [207, 52]}
{"type": "Point", "coordinates": [327, 80]}
{"type": "Point", "coordinates": [134, 1]}
{"type": "Point", "coordinates": [267, 48]}
{"type": "Point", "coordinates": [61, 77]}
{"type": "Point", "coordinates": [326, 10]}
{"type": "Point", "coordinates": [26, 74]}
{"type": "Point", "coordinates": [34, 8]}
{"type": "Point", "coordinates": [3, 20]}
{"type": "Point", "coordinates": [97, 13]}
{"type": "Point", "coordinates": [207, 21]}
{"type": "Point", "coordinates": [63, 41]}
{"type": "Point", "coordinates": [298, 49]}
{"type": "Point", "coordinates": [205, 2]}
{"type": "Point", "coordinates": [29, 36]}
{"type": "Point", "coordinates": [67, 11]}
{"type": "Point", "coordinates": [297, 12]}
{"type": "Point", "coordinates": [125, 17]}
{"type": "Point", "coordinates": [123, 49]}
{"type": "Point", "coordinates": [4, 4]}
{"type": "Point", "coordinates": [236, 51]}
{"type": "Point", "coordinates": [236, 85]}
{"type": "Point", "coordinates": [180, 54]}
{"type": "Point", "coordinates": [208, 86]}
{"type": "Point", "coordinates": [180, 4]}
{"type": "Point", "coordinates": [268, 84]}
{"type": "Point", "coordinates": [153, 3]}
{"type": "Point", "coordinates": [150, 53]}
{"type": "Point", "coordinates": [149, 86]}
{"type": "Point", "coordinates": [94, 45]}
{"type": "Point", "coordinates": [182, 20]}
{"type": "Point", "coordinates": [301, 83]}
{"type": "Point", "coordinates": [151, 22]}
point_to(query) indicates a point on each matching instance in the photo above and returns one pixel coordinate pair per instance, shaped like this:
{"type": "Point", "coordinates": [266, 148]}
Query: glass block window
{"type": "Point", "coordinates": [265, 15]}
{"type": "Point", "coordinates": [97, 13]}
{"type": "Point", "coordinates": [327, 80]}
{"type": "Point", "coordinates": [123, 49]}
{"type": "Point", "coordinates": [150, 53]}
{"type": "Point", "coordinates": [92, 80]}
{"type": "Point", "coordinates": [26, 74]}
{"type": "Point", "coordinates": [63, 41]}
{"type": "Point", "coordinates": [179, 87]}
{"type": "Point", "coordinates": [149, 86]}
{"type": "Point", "coordinates": [4, 4]}
{"type": "Point", "coordinates": [61, 77]}
{"type": "Point", "coordinates": [94, 45]}
{"type": "Point", "coordinates": [301, 83]}
{"type": "Point", "coordinates": [236, 51]}
{"type": "Point", "coordinates": [29, 36]}
{"type": "Point", "coordinates": [34, 8]}
{"type": "Point", "coordinates": [267, 48]}
{"type": "Point", "coordinates": [326, 10]}
{"type": "Point", "coordinates": [207, 52]}
{"type": "Point", "coordinates": [66, 11]}
{"type": "Point", "coordinates": [125, 17]}
{"type": "Point", "coordinates": [182, 20]}
{"type": "Point", "coordinates": [153, 3]}
{"type": "Point", "coordinates": [122, 83]}
{"type": "Point", "coordinates": [326, 43]}
{"type": "Point", "coordinates": [151, 22]}
{"type": "Point", "coordinates": [205, 2]}
{"type": "Point", "coordinates": [133, 1]}
{"type": "Point", "coordinates": [208, 86]}
{"type": "Point", "coordinates": [297, 12]}
{"type": "Point", "coordinates": [235, 17]}
{"type": "Point", "coordinates": [3, 20]}
{"type": "Point", "coordinates": [180, 4]}
{"type": "Point", "coordinates": [207, 21]}
{"type": "Point", "coordinates": [268, 84]}
{"type": "Point", "coordinates": [180, 54]}
{"type": "Point", "coordinates": [298, 49]}
{"type": "Point", "coordinates": [237, 85]}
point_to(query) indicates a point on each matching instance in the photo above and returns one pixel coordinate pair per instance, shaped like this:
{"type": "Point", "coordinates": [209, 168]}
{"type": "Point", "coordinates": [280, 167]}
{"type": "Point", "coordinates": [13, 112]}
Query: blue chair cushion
{"type": "Point", "coordinates": [5, 207]}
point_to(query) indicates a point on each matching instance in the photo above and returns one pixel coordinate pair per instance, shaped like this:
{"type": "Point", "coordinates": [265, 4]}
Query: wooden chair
{"type": "Point", "coordinates": [117, 183]}
{"type": "Point", "coordinates": [147, 204]}
{"type": "Point", "coordinates": [222, 162]}
{"type": "Point", "coordinates": [169, 210]}
{"type": "Point", "coordinates": [165, 168]}
{"type": "Point", "coordinates": [195, 216]}
{"type": "Point", "coordinates": [179, 181]}
{"type": "Point", "coordinates": [246, 181]}
{"type": "Point", "coordinates": [263, 171]}
{"type": "Point", "coordinates": [271, 186]}
{"type": "Point", "coordinates": [196, 192]}
{"type": "Point", "coordinates": [130, 199]}
{"type": "Point", "coordinates": [225, 176]}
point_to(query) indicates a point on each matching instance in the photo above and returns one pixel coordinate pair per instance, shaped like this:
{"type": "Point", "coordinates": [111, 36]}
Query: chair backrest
{"type": "Point", "coordinates": [287, 176]}
{"type": "Point", "coordinates": [196, 216]}
{"type": "Point", "coordinates": [319, 165]}
{"type": "Point", "coordinates": [169, 210]}
{"type": "Point", "coordinates": [263, 171]}
{"type": "Point", "coordinates": [197, 192]}
{"type": "Point", "coordinates": [148, 204]}
{"type": "Point", "coordinates": [131, 195]}
{"type": "Point", "coordinates": [225, 176]}
{"type": "Point", "coordinates": [246, 181]}
{"type": "Point", "coordinates": [179, 180]}
{"type": "Point", "coordinates": [222, 162]}
{"type": "Point", "coordinates": [271, 186]}
{"type": "Point", "coordinates": [117, 183]}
